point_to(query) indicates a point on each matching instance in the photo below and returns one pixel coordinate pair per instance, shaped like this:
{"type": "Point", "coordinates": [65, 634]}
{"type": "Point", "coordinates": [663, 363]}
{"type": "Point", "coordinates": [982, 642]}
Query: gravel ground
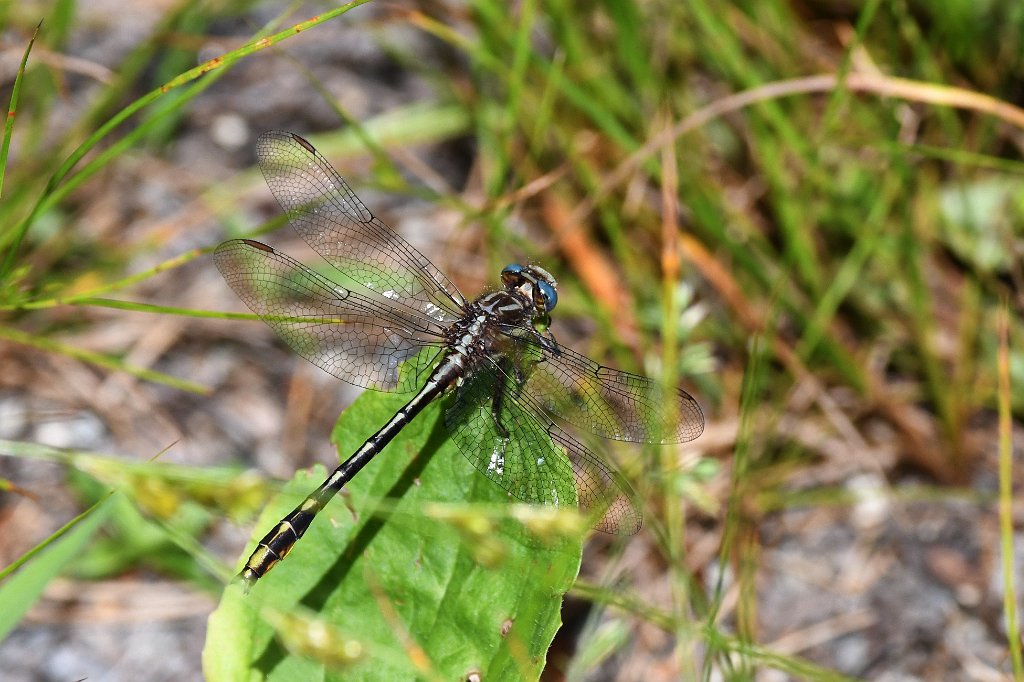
{"type": "Point", "coordinates": [883, 590]}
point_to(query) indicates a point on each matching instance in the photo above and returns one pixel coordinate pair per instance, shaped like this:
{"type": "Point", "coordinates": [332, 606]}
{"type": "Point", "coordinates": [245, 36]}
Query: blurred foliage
{"type": "Point", "coordinates": [809, 211]}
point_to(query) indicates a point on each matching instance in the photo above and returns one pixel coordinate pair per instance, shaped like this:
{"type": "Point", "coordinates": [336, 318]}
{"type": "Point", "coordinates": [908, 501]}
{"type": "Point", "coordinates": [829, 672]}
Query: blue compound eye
{"type": "Point", "coordinates": [512, 275]}
{"type": "Point", "coordinates": [549, 294]}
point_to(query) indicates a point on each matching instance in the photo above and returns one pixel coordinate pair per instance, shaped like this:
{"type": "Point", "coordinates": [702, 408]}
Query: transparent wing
{"type": "Point", "coordinates": [607, 402]}
{"type": "Point", "coordinates": [533, 459]}
{"type": "Point", "coordinates": [355, 337]}
{"type": "Point", "coordinates": [332, 220]}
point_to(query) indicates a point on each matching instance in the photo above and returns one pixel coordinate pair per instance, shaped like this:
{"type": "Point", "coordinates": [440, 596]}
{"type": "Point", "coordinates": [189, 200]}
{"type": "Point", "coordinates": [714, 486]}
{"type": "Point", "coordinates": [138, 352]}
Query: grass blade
{"type": "Point", "coordinates": [100, 360]}
{"type": "Point", "coordinates": [53, 193]}
{"type": "Point", "coordinates": [43, 563]}
{"type": "Point", "coordinates": [12, 108]}
{"type": "Point", "coordinates": [1006, 522]}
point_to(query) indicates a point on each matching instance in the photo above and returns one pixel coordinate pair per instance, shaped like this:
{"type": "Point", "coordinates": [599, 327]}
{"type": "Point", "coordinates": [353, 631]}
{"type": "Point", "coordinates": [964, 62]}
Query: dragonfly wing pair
{"type": "Point", "coordinates": [385, 304]}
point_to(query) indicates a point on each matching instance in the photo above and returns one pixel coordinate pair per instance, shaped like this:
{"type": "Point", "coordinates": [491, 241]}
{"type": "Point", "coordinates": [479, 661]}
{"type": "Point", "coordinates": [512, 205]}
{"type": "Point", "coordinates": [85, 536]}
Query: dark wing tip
{"type": "Point", "coordinates": [257, 245]}
{"type": "Point", "coordinates": [691, 417]}
{"type": "Point", "coordinates": [304, 142]}
{"type": "Point", "coordinates": [227, 254]}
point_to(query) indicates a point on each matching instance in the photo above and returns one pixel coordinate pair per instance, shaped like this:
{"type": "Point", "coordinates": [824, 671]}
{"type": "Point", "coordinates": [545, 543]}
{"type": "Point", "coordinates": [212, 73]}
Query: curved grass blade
{"type": "Point", "coordinates": [43, 563]}
{"type": "Point", "coordinates": [12, 108]}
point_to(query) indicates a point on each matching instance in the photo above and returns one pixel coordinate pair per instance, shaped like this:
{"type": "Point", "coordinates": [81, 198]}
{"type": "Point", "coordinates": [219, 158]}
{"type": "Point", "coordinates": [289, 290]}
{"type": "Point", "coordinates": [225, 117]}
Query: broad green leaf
{"type": "Point", "coordinates": [420, 597]}
{"type": "Point", "coordinates": [978, 216]}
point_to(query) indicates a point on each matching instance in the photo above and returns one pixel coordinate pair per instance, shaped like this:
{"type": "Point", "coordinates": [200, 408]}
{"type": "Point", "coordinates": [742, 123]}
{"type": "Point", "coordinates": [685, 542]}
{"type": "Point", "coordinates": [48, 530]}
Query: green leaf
{"type": "Point", "coordinates": [419, 596]}
{"type": "Point", "coordinates": [978, 216]}
{"type": "Point", "coordinates": [47, 561]}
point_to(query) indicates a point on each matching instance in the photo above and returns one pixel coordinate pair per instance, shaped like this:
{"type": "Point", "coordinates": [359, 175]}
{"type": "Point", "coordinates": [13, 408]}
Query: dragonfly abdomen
{"type": "Point", "coordinates": [276, 544]}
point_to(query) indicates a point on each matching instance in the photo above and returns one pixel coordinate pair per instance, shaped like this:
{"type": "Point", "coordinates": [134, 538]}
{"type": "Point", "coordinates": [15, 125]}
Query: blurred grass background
{"type": "Point", "coordinates": [807, 213]}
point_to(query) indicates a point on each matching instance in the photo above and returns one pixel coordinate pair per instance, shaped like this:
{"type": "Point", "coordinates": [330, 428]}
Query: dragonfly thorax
{"type": "Point", "coordinates": [479, 331]}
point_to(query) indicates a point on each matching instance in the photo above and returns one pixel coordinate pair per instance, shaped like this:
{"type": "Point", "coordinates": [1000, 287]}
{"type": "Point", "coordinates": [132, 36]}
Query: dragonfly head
{"type": "Point", "coordinates": [535, 283]}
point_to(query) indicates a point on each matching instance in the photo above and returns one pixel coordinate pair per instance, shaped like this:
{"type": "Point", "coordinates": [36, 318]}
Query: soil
{"type": "Point", "coordinates": [889, 588]}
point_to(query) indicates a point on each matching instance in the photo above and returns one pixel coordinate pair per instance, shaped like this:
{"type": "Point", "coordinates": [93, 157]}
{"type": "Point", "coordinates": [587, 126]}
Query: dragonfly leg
{"type": "Point", "coordinates": [498, 401]}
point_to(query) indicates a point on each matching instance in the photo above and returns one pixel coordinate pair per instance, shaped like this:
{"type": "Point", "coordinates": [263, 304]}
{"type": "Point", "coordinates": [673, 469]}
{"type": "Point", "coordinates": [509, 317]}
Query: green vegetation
{"type": "Point", "coordinates": [808, 214]}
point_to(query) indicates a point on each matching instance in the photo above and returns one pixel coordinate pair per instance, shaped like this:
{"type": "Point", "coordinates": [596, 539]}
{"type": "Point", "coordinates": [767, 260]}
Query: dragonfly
{"type": "Point", "coordinates": [385, 318]}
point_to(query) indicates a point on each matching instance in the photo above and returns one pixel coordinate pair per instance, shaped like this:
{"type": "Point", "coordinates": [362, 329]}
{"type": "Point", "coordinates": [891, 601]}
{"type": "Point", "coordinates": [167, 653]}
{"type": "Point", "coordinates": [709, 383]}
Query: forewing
{"type": "Point", "coordinates": [332, 220]}
{"type": "Point", "coordinates": [608, 402]}
{"type": "Point", "coordinates": [354, 337]}
{"type": "Point", "coordinates": [534, 460]}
